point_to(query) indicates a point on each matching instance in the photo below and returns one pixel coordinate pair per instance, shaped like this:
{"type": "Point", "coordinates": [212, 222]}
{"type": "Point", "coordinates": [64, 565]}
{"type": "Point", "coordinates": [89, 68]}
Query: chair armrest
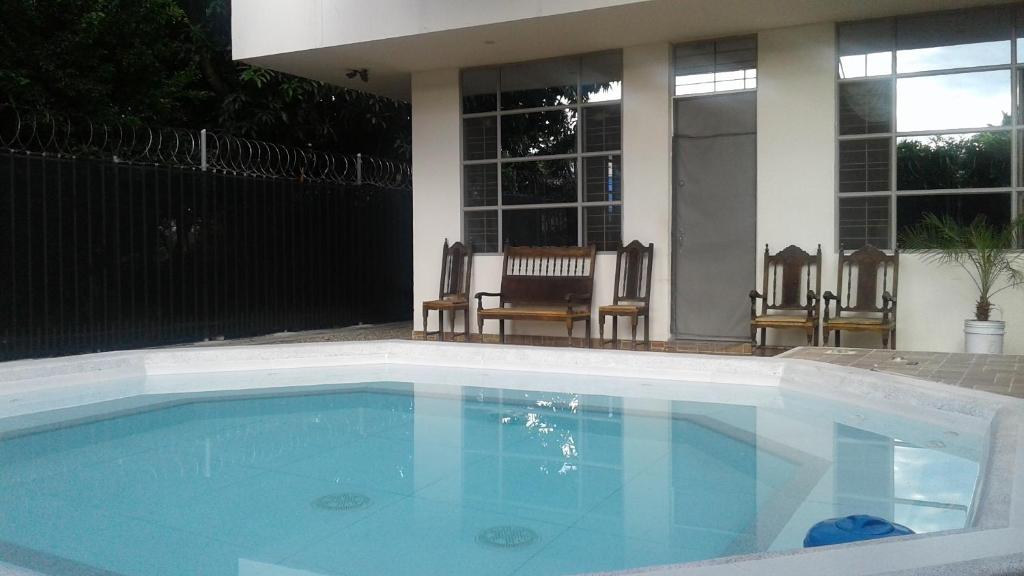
{"type": "Point", "coordinates": [754, 295]}
{"type": "Point", "coordinates": [812, 299]}
{"type": "Point", "coordinates": [571, 299]}
{"type": "Point", "coordinates": [888, 306]}
{"type": "Point", "coordinates": [480, 298]}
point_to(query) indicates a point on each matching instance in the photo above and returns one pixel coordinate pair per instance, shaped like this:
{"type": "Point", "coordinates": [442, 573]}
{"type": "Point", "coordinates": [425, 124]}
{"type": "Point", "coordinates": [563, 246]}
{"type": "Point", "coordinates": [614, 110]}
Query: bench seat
{"type": "Point", "coordinates": [532, 313]}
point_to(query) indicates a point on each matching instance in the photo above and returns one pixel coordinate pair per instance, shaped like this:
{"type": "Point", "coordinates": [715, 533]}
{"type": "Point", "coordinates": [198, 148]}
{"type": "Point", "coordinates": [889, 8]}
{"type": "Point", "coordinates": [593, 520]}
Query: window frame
{"type": "Point", "coordinates": [500, 160]}
{"type": "Point", "coordinates": [1016, 127]}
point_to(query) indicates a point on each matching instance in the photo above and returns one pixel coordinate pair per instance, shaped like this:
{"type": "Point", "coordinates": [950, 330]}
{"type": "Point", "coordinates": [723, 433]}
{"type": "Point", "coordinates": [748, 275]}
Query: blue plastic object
{"type": "Point", "coordinates": [852, 529]}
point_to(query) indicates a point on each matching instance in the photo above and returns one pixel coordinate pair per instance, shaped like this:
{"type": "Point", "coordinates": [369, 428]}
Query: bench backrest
{"type": "Point", "coordinates": [545, 275]}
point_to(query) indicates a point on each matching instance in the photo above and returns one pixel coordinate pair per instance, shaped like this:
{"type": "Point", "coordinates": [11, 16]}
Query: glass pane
{"type": "Point", "coordinates": [864, 165]}
{"type": "Point", "coordinates": [602, 179]}
{"type": "Point", "coordinates": [538, 133]}
{"type": "Point", "coordinates": [479, 90]}
{"type": "Point", "coordinates": [480, 138]}
{"type": "Point", "coordinates": [601, 77]}
{"type": "Point", "coordinates": [865, 48]}
{"type": "Point", "coordinates": [543, 182]}
{"type": "Point", "coordinates": [964, 208]}
{"type": "Point", "coordinates": [480, 185]}
{"type": "Point", "coordinates": [482, 230]}
{"type": "Point", "coordinates": [952, 101]}
{"type": "Point", "coordinates": [602, 128]}
{"type": "Point", "coordinates": [865, 107]}
{"type": "Point", "coordinates": [537, 84]}
{"type": "Point", "coordinates": [864, 221]}
{"type": "Point", "coordinates": [694, 58]}
{"type": "Point", "coordinates": [716, 66]}
{"type": "Point", "coordinates": [540, 227]}
{"type": "Point", "coordinates": [602, 225]}
{"type": "Point", "coordinates": [955, 161]}
{"type": "Point", "coordinates": [956, 39]}
{"type": "Point", "coordinates": [736, 54]}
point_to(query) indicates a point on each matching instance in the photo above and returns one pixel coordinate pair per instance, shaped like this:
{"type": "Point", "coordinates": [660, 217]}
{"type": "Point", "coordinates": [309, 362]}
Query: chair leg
{"type": "Point", "coordinates": [465, 324]}
{"type": "Point", "coordinates": [810, 337]}
{"type": "Point", "coordinates": [824, 334]}
{"type": "Point", "coordinates": [837, 338]}
{"type": "Point", "coordinates": [885, 340]}
{"type": "Point", "coordinates": [451, 324]}
{"type": "Point", "coordinates": [440, 325]}
{"type": "Point", "coordinates": [425, 315]}
{"type": "Point", "coordinates": [501, 331]}
{"type": "Point", "coordinates": [764, 337]}
{"type": "Point", "coordinates": [647, 332]}
{"type": "Point", "coordinates": [600, 330]}
{"type": "Point", "coordinates": [569, 327]}
{"type": "Point", "coordinates": [615, 332]}
{"type": "Point", "coordinates": [590, 341]}
{"type": "Point", "coordinates": [893, 338]}
{"type": "Point", "coordinates": [633, 326]}
{"type": "Point", "coordinates": [753, 337]}
{"type": "Point", "coordinates": [480, 328]}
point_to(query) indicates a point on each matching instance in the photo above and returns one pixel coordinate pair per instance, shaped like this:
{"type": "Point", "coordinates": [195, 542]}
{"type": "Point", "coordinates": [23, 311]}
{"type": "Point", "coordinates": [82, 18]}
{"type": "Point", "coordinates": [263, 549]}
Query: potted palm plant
{"type": "Point", "coordinates": [989, 254]}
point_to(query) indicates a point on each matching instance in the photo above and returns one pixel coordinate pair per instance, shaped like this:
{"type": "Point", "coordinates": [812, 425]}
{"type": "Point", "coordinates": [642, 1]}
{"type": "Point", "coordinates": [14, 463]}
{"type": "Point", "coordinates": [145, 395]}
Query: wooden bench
{"type": "Point", "coordinates": [547, 284]}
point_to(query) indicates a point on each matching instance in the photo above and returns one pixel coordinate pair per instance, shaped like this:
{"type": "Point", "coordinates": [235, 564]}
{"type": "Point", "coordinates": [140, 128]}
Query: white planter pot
{"type": "Point", "coordinates": [984, 336]}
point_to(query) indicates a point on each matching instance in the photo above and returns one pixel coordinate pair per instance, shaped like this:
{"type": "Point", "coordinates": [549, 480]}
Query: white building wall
{"type": "Point", "coordinates": [647, 134]}
{"type": "Point", "coordinates": [796, 202]}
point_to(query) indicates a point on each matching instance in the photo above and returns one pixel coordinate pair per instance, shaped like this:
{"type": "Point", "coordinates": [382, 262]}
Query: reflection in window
{"type": "Point", "coordinates": [602, 225]}
{"type": "Point", "coordinates": [963, 208]}
{"type": "Point", "coordinates": [529, 131]}
{"type": "Point", "coordinates": [542, 182]}
{"type": "Point", "coordinates": [540, 227]}
{"type": "Point", "coordinates": [716, 66]}
{"type": "Point", "coordinates": [952, 101]}
{"type": "Point", "coordinates": [934, 120]}
{"type": "Point", "coordinates": [538, 133]}
{"type": "Point", "coordinates": [979, 160]}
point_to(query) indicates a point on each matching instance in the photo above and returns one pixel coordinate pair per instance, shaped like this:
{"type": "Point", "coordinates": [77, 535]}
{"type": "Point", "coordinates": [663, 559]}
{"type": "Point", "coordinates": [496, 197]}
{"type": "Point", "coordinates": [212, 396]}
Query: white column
{"type": "Point", "coordinates": [436, 162]}
{"type": "Point", "coordinates": [647, 168]}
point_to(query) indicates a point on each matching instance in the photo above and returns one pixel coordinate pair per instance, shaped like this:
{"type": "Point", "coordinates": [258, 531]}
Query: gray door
{"type": "Point", "coordinates": [713, 257]}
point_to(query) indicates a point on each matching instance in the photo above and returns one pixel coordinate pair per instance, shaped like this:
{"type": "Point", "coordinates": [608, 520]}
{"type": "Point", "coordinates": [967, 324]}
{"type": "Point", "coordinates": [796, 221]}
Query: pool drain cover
{"type": "Point", "coordinates": [343, 501]}
{"type": "Point", "coordinates": [507, 536]}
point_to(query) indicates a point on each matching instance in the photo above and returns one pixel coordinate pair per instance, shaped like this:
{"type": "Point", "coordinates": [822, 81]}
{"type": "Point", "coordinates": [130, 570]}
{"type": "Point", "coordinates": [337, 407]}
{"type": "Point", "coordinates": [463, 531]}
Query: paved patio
{"type": "Point", "coordinates": [999, 374]}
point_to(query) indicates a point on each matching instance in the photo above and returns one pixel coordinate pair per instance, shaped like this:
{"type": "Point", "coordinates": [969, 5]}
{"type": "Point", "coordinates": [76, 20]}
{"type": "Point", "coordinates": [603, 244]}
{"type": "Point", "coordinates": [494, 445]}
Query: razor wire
{"type": "Point", "coordinates": [48, 133]}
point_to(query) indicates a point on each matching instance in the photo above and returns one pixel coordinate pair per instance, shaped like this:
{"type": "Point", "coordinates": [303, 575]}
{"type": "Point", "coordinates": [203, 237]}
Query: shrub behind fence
{"type": "Point", "coordinates": [102, 255]}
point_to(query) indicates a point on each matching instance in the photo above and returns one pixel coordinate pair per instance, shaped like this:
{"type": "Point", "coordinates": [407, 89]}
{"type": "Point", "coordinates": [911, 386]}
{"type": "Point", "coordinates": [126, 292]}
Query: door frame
{"type": "Point", "coordinates": [674, 232]}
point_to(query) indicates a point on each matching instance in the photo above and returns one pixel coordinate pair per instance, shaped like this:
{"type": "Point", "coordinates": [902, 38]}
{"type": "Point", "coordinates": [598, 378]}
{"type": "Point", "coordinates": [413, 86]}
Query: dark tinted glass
{"type": "Point", "coordinates": [480, 185]}
{"type": "Point", "coordinates": [538, 133]}
{"type": "Point", "coordinates": [864, 221]}
{"type": "Point", "coordinates": [865, 48]}
{"type": "Point", "coordinates": [601, 77]}
{"type": "Point", "coordinates": [602, 128]}
{"type": "Point", "coordinates": [964, 208]}
{"type": "Point", "coordinates": [482, 230]}
{"type": "Point", "coordinates": [479, 90]}
{"type": "Point", "coordinates": [538, 84]}
{"type": "Point", "coordinates": [953, 161]}
{"type": "Point", "coordinates": [955, 39]}
{"type": "Point", "coordinates": [602, 178]}
{"type": "Point", "coordinates": [865, 107]}
{"type": "Point", "coordinates": [540, 227]}
{"type": "Point", "coordinates": [480, 138]}
{"type": "Point", "coordinates": [864, 165]}
{"type": "Point", "coordinates": [602, 225]}
{"type": "Point", "coordinates": [543, 182]}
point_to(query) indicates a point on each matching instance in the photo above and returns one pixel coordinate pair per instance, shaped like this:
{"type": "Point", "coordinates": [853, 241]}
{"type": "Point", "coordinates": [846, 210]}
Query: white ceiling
{"type": "Point", "coordinates": [391, 61]}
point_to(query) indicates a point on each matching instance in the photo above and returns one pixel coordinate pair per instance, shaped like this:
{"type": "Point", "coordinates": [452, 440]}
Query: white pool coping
{"type": "Point", "coordinates": [34, 392]}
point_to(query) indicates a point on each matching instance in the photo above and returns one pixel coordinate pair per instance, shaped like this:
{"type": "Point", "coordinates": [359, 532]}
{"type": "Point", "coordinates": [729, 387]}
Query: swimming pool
{"type": "Point", "coordinates": [417, 458]}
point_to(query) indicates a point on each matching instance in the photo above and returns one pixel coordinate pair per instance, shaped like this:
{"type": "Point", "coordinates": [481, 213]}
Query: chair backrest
{"type": "Point", "coordinates": [633, 265]}
{"type": "Point", "coordinates": [788, 275]}
{"type": "Point", "coordinates": [456, 270]}
{"type": "Point", "coordinates": [545, 275]}
{"type": "Point", "coordinates": [873, 271]}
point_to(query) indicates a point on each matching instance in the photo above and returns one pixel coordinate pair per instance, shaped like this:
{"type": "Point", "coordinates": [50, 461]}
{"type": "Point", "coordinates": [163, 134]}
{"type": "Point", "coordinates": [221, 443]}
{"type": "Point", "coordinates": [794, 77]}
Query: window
{"type": "Point", "coordinates": [542, 153]}
{"type": "Point", "coordinates": [926, 121]}
{"type": "Point", "coordinates": [716, 66]}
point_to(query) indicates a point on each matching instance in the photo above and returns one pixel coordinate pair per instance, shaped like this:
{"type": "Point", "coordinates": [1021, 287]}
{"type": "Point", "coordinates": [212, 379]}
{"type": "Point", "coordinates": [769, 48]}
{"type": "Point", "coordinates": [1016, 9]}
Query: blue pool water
{"type": "Point", "coordinates": [399, 479]}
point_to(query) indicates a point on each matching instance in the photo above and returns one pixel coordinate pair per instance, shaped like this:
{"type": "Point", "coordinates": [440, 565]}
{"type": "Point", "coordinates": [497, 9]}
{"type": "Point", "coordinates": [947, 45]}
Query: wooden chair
{"type": "Point", "coordinates": [781, 305]}
{"type": "Point", "coordinates": [542, 283]}
{"type": "Point", "coordinates": [869, 265]}
{"type": "Point", "coordinates": [632, 299]}
{"type": "Point", "coordinates": [453, 295]}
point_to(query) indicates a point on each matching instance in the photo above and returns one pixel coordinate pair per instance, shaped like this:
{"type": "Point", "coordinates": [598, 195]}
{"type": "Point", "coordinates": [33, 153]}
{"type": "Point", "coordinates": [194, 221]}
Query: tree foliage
{"type": "Point", "coordinates": [168, 62]}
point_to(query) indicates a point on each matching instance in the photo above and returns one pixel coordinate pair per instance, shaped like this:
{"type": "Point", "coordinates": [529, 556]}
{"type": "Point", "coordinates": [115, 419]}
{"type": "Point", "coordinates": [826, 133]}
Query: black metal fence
{"type": "Point", "coordinates": [98, 254]}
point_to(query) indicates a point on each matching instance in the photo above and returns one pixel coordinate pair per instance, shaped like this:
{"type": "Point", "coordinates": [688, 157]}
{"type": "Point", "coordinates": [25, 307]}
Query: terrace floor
{"type": "Point", "coordinates": [998, 374]}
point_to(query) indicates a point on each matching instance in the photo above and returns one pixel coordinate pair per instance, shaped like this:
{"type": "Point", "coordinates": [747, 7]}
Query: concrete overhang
{"type": "Point", "coordinates": [392, 39]}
